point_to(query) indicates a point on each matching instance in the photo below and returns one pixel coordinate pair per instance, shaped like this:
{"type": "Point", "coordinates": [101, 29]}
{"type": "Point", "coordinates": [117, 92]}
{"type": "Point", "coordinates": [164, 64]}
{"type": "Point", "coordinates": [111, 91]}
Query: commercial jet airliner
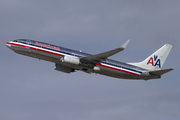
{"type": "Point", "coordinates": [67, 60]}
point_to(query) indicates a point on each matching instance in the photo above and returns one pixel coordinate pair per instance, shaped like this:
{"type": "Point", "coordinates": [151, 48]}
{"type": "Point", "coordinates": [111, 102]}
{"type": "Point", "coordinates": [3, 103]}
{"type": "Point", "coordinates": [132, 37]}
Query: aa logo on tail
{"type": "Point", "coordinates": [155, 61]}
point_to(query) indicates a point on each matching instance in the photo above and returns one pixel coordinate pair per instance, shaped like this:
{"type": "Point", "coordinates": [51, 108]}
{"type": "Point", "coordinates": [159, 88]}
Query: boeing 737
{"type": "Point", "coordinates": [67, 60]}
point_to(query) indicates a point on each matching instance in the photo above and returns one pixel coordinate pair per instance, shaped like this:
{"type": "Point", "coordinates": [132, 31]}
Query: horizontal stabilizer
{"type": "Point", "coordinates": [160, 72]}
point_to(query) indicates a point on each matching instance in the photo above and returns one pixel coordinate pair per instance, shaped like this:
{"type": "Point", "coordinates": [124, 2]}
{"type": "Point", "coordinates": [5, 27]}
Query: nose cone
{"type": "Point", "coordinates": [8, 44]}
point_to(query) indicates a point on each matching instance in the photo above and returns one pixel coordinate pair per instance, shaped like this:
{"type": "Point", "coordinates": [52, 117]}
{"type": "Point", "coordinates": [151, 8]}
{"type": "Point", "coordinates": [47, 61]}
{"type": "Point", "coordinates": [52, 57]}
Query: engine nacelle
{"type": "Point", "coordinates": [63, 68]}
{"type": "Point", "coordinates": [71, 60]}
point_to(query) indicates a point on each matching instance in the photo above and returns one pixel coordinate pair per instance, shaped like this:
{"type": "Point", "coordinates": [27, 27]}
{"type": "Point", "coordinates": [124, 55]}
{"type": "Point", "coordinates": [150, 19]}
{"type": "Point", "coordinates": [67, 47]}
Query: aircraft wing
{"type": "Point", "coordinates": [103, 56]}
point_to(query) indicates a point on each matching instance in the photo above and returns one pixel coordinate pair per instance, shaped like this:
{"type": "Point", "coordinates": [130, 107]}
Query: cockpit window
{"type": "Point", "coordinates": [17, 40]}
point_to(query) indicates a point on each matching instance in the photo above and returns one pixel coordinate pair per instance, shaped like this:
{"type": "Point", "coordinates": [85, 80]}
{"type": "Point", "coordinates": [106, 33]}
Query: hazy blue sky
{"type": "Point", "coordinates": [32, 90]}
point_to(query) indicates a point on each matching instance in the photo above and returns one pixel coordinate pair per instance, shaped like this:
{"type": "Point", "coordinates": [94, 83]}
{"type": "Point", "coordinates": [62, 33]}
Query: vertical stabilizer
{"type": "Point", "coordinates": [156, 60]}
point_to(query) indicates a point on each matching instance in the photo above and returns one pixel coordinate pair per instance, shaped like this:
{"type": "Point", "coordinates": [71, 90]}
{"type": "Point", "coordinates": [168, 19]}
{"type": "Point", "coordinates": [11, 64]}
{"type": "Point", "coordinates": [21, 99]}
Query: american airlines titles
{"type": "Point", "coordinates": [47, 46]}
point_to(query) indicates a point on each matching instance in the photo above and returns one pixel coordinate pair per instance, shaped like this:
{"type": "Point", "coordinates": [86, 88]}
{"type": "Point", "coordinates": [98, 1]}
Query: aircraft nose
{"type": "Point", "coordinates": [8, 44]}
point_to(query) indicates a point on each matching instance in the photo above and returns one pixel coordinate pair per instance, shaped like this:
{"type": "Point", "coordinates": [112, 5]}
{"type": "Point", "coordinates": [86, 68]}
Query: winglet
{"type": "Point", "coordinates": [125, 44]}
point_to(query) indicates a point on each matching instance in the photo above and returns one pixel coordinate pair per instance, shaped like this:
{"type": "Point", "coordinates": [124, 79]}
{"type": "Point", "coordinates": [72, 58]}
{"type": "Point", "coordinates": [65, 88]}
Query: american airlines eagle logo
{"type": "Point", "coordinates": [154, 61]}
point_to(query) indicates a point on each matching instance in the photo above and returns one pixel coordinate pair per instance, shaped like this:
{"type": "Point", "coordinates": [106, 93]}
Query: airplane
{"type": "Point", "coordinates": [67, 60]}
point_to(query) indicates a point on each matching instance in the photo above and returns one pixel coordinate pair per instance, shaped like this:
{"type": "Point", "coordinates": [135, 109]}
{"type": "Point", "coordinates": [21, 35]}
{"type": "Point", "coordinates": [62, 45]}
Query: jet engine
{"type": "Point", "coordinates": [71, 60]}
{"type": "Point", "coordinates": [63, 68]}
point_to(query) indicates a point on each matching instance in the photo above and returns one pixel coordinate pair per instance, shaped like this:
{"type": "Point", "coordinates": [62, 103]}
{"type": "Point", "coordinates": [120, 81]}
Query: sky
{"type": "Point", "coordinates": [32, 89]}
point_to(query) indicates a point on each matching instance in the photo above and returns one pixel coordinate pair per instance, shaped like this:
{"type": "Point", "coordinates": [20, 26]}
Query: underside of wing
{"type": "Point", "coordinates": [103, 56]}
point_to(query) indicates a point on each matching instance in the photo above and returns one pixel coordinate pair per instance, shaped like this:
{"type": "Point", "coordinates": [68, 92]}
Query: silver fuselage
{"type": "Point", "coordinates": [53, 53]}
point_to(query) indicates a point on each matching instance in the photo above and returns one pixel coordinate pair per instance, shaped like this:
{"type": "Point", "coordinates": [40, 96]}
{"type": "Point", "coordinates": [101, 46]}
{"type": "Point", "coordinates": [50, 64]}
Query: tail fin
{"type": "Point", "coordinates": [156, 60]}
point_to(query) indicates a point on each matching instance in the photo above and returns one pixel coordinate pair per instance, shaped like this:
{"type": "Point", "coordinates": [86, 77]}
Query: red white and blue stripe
{"type": "Point", "coordinates": [62, 54]}
{"type": "Point", "coordinates": [119, 68]}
